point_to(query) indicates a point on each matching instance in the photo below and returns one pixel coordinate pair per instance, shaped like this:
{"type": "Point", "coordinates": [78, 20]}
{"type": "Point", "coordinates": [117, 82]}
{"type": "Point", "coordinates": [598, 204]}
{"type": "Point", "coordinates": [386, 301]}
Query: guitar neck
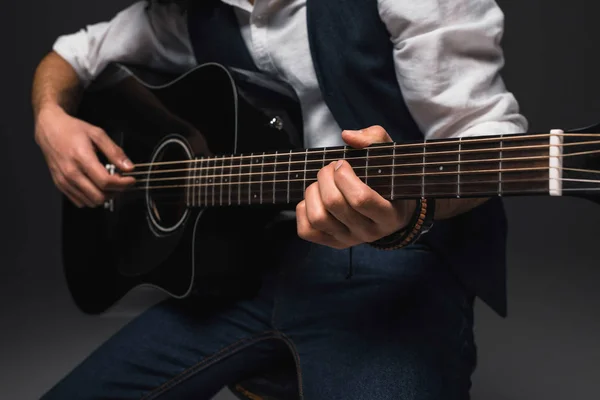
{"type": "Point", "coordinates": [449, 168]}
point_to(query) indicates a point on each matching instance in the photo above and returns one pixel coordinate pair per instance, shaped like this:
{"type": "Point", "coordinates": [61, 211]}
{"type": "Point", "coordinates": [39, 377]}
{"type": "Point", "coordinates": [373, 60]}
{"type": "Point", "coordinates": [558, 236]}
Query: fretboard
{"type": "Point", "coordinates": [449, 168]}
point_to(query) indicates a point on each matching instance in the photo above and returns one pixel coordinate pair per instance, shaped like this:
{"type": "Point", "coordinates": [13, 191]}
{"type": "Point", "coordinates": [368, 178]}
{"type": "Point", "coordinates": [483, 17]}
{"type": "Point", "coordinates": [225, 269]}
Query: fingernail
{"type": "Point", "coordinates": [338, 164]}
{"type": "Point", "coordinates": [353, 132]}
{"type": "Point", "coordinates": [127, 163]}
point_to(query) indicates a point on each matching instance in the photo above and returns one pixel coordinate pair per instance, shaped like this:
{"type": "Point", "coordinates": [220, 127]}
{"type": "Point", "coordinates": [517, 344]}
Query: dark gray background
{"type": "Point", "coordinates": [546, 349]}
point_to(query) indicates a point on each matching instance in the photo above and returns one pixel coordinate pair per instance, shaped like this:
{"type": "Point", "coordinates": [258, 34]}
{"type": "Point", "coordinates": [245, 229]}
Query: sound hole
{"type": "Point", "coordinates": [166, 187]}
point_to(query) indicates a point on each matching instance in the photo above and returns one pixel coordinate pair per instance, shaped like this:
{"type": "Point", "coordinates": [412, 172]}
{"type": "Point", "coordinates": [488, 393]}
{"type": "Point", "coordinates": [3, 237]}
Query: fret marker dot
{"type": "Point", "coordinates": [296, 175]}
{"type": "Point", "coordinates": [210, 180]}
{"type": "Point", "coordinates": [254, 196]}
{"type": "Point", "coordinates": [379, 171]}
{"type": "Point", "coordinates": [441, 167]}
{"type": "Point", "coordinates": [225, 179]}
{"type": "Point", "coordinates": [197, 181]}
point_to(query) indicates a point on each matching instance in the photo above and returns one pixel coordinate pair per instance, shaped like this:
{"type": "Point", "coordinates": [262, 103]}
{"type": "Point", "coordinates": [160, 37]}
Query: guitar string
{"type": "Point", "coordinates": [420, 156]}
{"type": "Point", "coordinates": [248, 199]}
{"type": "Point", "coordinates": [433, 174]}
{"type": "Point", "coordinates": [244, 188]}
{"type": "Point", "coordinates": [370, 167]}
{"type": "Point", "coordinates": [432, 142]}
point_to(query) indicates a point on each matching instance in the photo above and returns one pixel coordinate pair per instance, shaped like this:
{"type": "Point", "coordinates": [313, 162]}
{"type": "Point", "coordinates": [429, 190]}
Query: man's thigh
{"type": "Point", "coordinates": [177, 350]}
{"type": "Point", "coordinates": [399, 328]}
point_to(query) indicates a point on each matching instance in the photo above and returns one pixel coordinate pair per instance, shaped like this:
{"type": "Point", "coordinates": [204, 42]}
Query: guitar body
{"type": "Point", "coordinates": [218, 153]}
{"type": "Point", "coordinates": [150, 237]}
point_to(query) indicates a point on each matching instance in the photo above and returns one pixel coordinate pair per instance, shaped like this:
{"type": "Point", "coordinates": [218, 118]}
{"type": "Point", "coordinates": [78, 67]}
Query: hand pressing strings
{"type": "Point", "coordinates": [339, 210]}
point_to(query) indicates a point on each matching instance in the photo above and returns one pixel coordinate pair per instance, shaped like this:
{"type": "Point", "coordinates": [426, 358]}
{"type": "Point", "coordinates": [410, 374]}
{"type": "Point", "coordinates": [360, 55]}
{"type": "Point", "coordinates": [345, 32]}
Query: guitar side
{"type": "Point", "coordinates": [140, 238]}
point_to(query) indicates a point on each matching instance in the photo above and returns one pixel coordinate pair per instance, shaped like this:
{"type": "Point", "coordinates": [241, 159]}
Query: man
{"type": "Point", "coordinates": [401, 326]}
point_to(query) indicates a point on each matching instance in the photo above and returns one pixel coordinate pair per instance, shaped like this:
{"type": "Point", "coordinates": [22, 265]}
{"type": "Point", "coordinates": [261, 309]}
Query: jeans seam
{"type": "Point", "coordinates": [217, 356]}
{"type": "Point", "coordinates": [296, 356]}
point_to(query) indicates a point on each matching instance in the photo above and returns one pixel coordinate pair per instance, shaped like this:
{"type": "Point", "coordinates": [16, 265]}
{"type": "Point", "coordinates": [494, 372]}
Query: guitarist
{"type": "Point", "coordinates": [364, 301]}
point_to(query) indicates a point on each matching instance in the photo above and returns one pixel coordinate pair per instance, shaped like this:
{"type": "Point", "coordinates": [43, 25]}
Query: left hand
{"type": "Point", "coordinates": [340, 210]}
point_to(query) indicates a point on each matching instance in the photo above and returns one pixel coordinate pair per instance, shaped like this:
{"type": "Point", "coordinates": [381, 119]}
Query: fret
{"type": "Point", "coordinates": [314, 163]}
{"type": "Point", "coordinates": [234, 179]}
{"type": "Point", "coordinates": [458, 167]}
{"type": "Point", "coordinates": [357, 158]}
{"type": "Point", "coordinates": [190, 184]}
{"type": "Point", "coordinates": [297, 175]}
{"type": "Point", "coordinates": [423, 169]}
{"type": "Point", "coordinates": [525, 169]}
{"type": "Point", "coordinates": [408, 170]}
{"type": "Point", "coordinates": [195, 183]}
{"type": "Point", "coordinates": [441, 168]}
{"type": "Point", "coordinates": [255, 185]}
{"type": "Point", "coordinates": [478, 167]}
{"type": "Point", "coordinates": [226, 179]}
{"type": "Point", "coordinates": [200, 171]}
{"type": "Point", "coordinates": [251, 165]}
{"type": "Point", "coordinates": [262, 170]}
{"type": "Point", "coordinates": [267, 178]}
{"type": "Point", "coordinates": [281, 178]}
{"type": "Point", "coordinates": [203, 181]}
{"type": "Point", "coordinates": [288, 177]}
{"type": "Point", "coordinates": [245, 179]}
{"type": "Point", "coordinates": [334, 154]}
{"type": "Point", "coordinates": [241, 173]}
{"type": "Point", "coordinates": [206, 174]}
{"type": "Point", "coordinates": [305, 161]}
{"type": "Point", "coordinates": [218, 178]}
{"type": "Point", "coordinates": [500, 167]}
{"type": "Point", "coordinates": [210, 174]}
{"type": "Point", "coordinates": [379, 168]}
{"type": "Point", "coordinates": [273, 176]}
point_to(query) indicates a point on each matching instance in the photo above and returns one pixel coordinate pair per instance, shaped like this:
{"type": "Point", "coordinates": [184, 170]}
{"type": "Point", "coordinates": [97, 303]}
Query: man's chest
{"type": "Point", "coordinates": [276, 35]}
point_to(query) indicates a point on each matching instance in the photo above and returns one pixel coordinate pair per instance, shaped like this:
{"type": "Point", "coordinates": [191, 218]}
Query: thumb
{"type": "Point", "coordinates": [366, 137]}
{"type": "Point", "coordinates": [110, 149]}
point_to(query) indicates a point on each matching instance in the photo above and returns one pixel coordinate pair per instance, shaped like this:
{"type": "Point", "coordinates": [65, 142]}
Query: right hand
{"type": "Point", "coordinates": [69, 145]}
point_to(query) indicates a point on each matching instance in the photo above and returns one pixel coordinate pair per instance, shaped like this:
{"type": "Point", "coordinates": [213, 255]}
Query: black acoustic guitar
{"type": "Point", "coordinates": [218, 153]}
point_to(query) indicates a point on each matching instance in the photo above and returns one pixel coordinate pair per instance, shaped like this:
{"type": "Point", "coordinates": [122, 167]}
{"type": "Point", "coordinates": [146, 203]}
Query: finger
{"type": "Point", "coordinates": [359, 225]}
{"type": "Point", "coordinates": [318, 216]}
{"type": "Point", "coordinates": [100, 176]}
{"type": "Point", "coordinates": [308, 233]}
{"type": "Point", "coordinates": [90, 190]}
{"type": "Point", "coordinates": [78, 198]}
{"type": "Point", "coordinates": [75, 199]}
{"type": "Point", "coordinates": [366, 137]}
{"type": "Point", "coordinates": [110, 149]}
{"type": "Point", "coordinates": [362, 198]}
{"type": "Point", "coordinates": [77, 180]}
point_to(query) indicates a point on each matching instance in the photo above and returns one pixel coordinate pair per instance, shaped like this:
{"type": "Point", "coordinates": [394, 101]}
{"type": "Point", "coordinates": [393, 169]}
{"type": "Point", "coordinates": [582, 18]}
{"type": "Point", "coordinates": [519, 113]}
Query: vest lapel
{"type": "Point", "coordinates": [215, 35]}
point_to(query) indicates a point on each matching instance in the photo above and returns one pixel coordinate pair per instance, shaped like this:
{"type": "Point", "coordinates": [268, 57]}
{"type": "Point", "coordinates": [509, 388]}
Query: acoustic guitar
{"type": "Point", "coordinates": [218, 153]}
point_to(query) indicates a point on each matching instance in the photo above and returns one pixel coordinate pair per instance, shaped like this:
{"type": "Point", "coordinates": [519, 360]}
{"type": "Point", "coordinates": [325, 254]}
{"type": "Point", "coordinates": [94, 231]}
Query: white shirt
{"type": "Point", "coordinates": [447, 56]}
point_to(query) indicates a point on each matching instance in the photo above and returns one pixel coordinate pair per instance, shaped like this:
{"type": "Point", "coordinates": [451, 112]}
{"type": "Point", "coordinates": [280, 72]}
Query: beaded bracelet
{"type": "Point", "coordinates": [420, 223]}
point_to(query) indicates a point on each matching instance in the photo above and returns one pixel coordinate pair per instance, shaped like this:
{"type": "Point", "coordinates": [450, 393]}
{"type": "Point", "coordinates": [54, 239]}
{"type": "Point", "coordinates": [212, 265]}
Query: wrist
{"type": "Point", "coordinates": [421, 220]}
{"type": "Point", "coordinates": [48, 109]}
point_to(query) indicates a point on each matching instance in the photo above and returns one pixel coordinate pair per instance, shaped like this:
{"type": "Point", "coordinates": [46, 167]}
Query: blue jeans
{"type": "Point", "coordinates": [389, 325]}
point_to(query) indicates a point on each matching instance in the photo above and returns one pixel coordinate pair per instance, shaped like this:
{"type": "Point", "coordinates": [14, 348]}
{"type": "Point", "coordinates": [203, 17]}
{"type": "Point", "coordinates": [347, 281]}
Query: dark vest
{"type": "Point", "coordinates": [352, 56]}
